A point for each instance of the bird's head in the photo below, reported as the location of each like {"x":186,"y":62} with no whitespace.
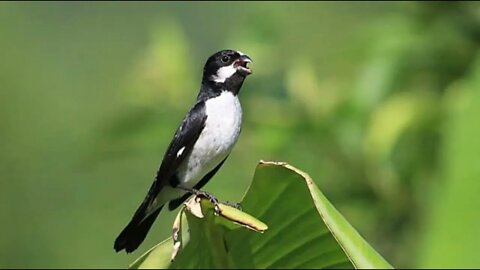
{"x":227,"y":67}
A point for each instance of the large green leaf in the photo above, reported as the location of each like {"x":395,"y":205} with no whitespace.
{"x":304,"y":230}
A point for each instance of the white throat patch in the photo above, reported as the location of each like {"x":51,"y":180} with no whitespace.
{"x":224,"y":73}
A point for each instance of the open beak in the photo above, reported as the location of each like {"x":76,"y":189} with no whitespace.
{"x":241,"y":64}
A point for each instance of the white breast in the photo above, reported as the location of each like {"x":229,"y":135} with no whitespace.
{"x":222,"y":127}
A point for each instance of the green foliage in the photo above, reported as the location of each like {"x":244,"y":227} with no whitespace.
{"x":453,"y":232}
{"x":304,"y":230}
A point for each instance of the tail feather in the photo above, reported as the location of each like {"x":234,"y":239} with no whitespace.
{"x":135,"y":232}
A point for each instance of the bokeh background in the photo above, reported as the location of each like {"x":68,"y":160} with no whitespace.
{"x":378,"y":102}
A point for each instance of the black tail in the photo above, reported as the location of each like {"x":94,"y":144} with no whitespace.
{"x":133,"y":235}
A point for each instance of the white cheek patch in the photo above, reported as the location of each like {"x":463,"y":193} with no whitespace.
{"x":224,"y":73}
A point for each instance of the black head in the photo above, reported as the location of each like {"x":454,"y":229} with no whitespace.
{"x":226,"y":69}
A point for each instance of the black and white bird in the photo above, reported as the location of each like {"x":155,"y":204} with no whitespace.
{"x":200,"y":146}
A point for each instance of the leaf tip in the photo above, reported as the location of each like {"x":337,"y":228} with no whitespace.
{"x":242,"y":218}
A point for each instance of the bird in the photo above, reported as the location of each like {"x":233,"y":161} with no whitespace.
{"x":200,"y":146}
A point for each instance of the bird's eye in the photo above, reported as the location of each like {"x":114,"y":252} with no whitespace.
{"x":225,"y":59}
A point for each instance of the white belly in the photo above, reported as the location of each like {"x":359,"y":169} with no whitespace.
{"x":222,"y":127}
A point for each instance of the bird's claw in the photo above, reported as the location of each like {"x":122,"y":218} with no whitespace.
{"x":211,"y":198}
{"x":235,"y":205}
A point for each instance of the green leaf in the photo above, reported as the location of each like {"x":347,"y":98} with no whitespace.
{"x":304,"y":230}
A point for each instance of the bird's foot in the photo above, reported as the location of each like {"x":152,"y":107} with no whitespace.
{"x":206,"y":195}
{"x":211,"y":198}
{"x":235,"y":205}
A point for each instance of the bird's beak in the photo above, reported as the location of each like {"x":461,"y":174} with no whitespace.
{"x":246,"y":58}
{"x":241,"y":64}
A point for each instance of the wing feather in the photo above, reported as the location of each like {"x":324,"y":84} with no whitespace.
{"x":180,"y":146}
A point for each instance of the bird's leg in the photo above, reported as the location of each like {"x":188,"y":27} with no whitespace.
{"x":235,"y":205}
{"x":205,"y":194}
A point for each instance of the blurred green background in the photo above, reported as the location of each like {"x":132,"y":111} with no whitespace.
{"x":378,"y":102}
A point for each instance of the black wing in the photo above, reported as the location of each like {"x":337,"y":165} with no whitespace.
{"x":181,"y":145}
{"x":185,"y":137}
